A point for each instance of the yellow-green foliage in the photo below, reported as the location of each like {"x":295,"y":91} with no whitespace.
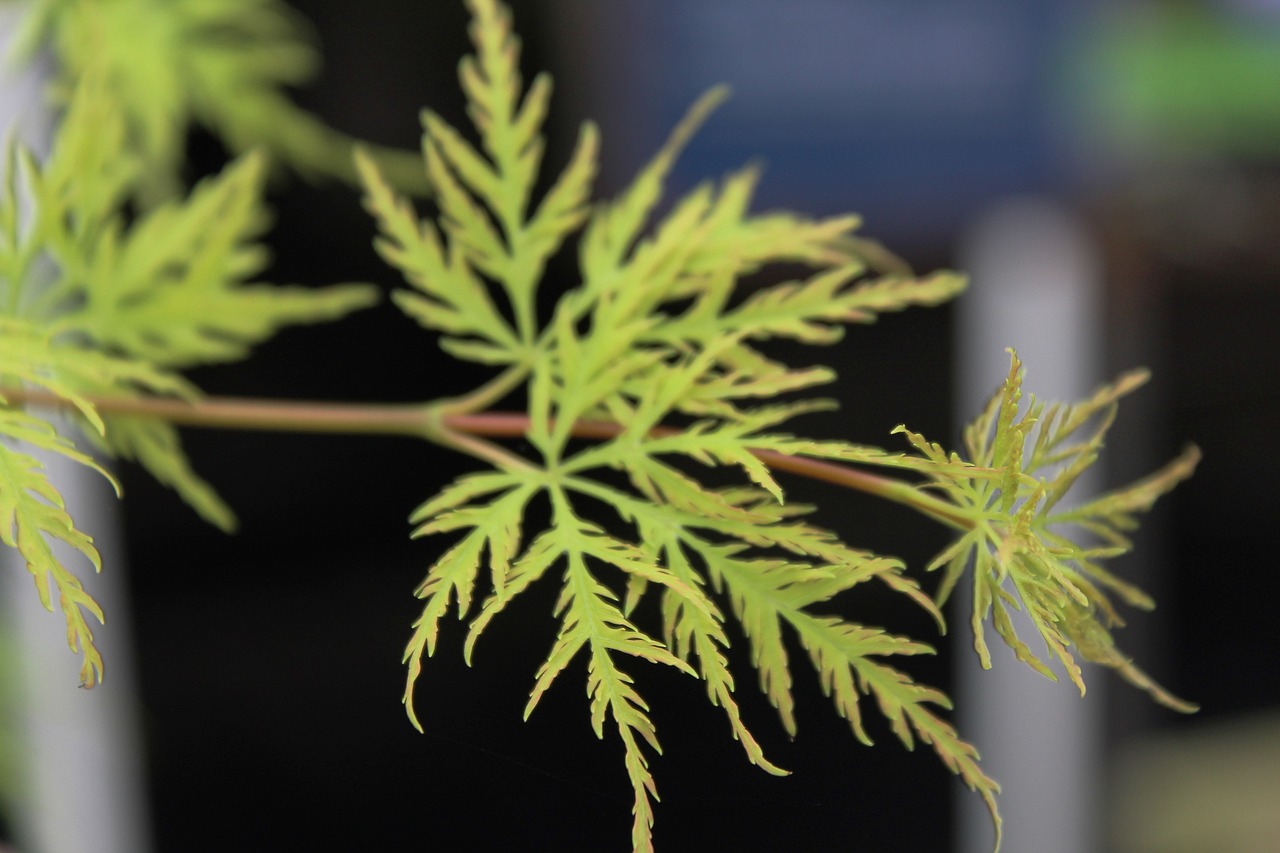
{"x":652,"y":331}
{"x":1014,"y":544}
{"x":95,"y":303}
{"x":659,"y":329}
{"x":221,"y":64}
{"x":658,"y":352}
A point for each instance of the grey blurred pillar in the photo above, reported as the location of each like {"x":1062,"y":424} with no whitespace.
{"x":82,"y":786}
{"x":1036,"y":287}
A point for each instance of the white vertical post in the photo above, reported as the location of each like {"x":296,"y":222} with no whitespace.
{"x":81,"y":784}
{"x":1036,"y":285}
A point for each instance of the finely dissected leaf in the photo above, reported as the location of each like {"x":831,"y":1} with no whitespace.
{"x":173,"y":291}
{"x":690,"y":630}
{"x":156,"y":447}
{"x":588,"y":615}
{"x":32,"y":514}
{"x":756,"y":241}
{"x":661,"y":328}
{"x":495,"y":530}
{"x":225,"y":64}
{"x":28,"y":354}
{"x":656,"y":345}
{"x":1015,"y":545}
{"x":810,"y":311}
{"x":905,"y":705}
{"x":451,"y":298}
{"x":759,"y":616}
{"x":614,"y":229}
{"x":591,"y":620}
{"x":58,"y":208}
{"x":845,"y":655}
{"x":486,"y":226}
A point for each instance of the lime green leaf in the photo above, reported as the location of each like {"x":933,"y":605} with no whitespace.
{"x":172,"y":290}
{"x":751,"y":587}
{"x":495,"y":529}
{"x":451,"y":298}
{"x":756,"y":241}
{"x":1015,"y":544}
{"x":541,"y":555}
{"x":156,"y":447}
{"x":29,"y":353}
{"x":510,"y":131}
{"x":486,"y":228}
{"x":591,"y":620}
{"x":32,"y":514}
{"x":809,"y":311}
{"x":614,"y":229}
{"x":697,"y":631}
{"x":655,"y":346}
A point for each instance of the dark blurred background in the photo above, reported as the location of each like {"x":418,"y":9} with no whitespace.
{"x":269,"y":662}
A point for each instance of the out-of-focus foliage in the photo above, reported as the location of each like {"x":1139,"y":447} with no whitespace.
{"x":1183,"y":80}
{"x":95,"y":302}
{"x":1017,"y":540}
{"x":225,"y":65}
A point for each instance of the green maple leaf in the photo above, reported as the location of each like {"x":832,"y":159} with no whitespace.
{"x":1016,"y":542}
{"x":657,"y":329}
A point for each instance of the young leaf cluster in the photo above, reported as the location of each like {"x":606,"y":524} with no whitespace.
{"x":222,"y":65}
{"x":95,"y":303}
{"x":1016,"y":539}
{"x":661,"y":328}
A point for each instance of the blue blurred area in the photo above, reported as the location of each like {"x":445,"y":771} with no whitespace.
{"x":919,"y":114}
{"x":914,"y":114}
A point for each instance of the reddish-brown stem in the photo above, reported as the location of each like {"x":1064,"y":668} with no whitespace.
{"x":250,"y":414}
{"x":514,"y":425}
{"x":462,"y":431}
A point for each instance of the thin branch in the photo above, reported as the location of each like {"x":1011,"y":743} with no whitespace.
{"x":515,"y":425}
{"x":488,"y":394}
{"x":253,"y":414}
{"x":460,"y":431}
{"x":471,"y":444}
